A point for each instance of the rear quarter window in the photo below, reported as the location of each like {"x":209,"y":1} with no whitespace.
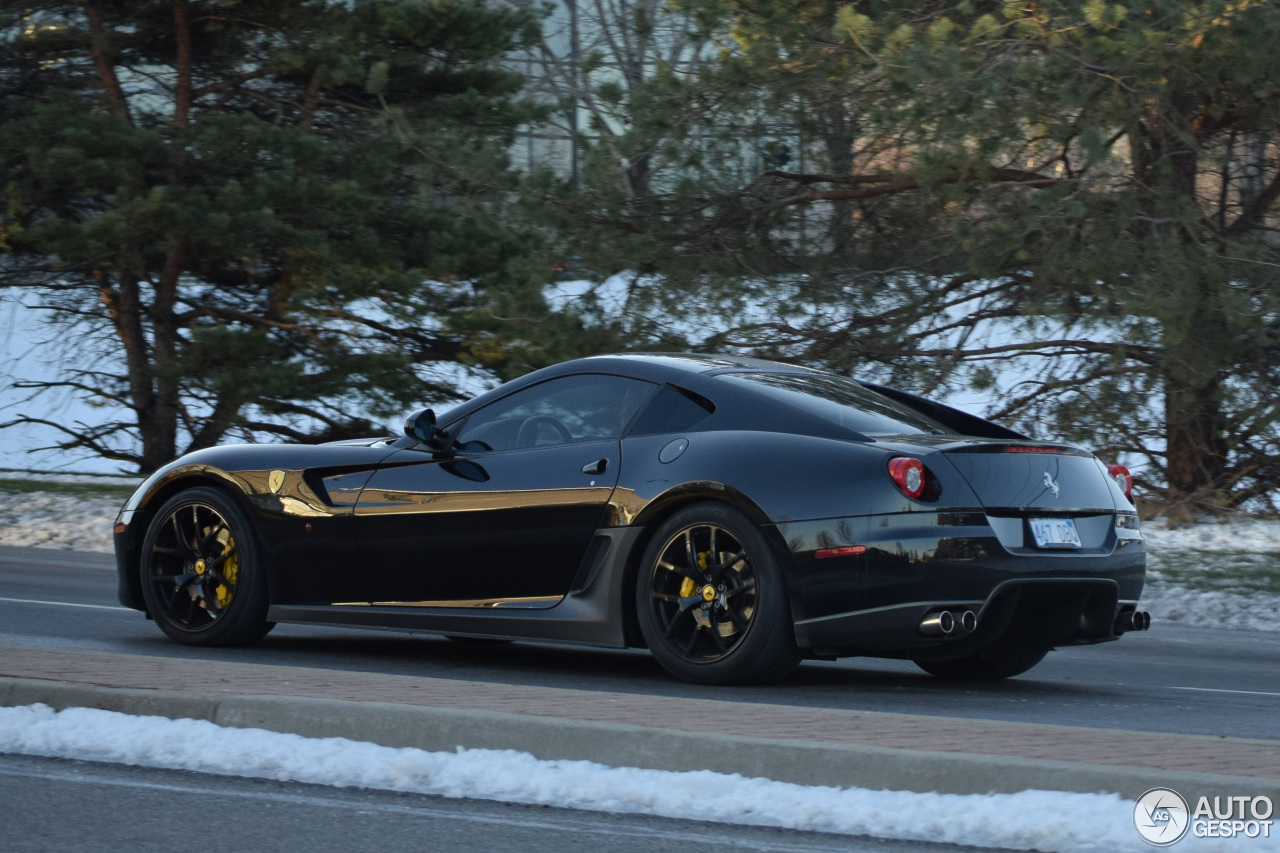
{"x":671,"y":411}
{"x":841,"y":401}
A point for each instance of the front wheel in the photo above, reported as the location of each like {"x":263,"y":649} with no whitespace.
{"x":202,"y":571}
{"x":712,"y":602}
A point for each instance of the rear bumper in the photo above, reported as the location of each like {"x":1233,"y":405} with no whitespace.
{"x":1046,"y":612}
{"x":922,"y":562}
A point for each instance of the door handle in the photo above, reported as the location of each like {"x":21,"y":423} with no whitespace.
{"x":596,"y":467}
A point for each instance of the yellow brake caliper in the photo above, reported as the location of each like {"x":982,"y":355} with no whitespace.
{"x":230,"y":569}
{"x":688,"y":587}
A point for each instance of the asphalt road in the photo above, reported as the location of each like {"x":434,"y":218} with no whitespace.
{"x":55,"y":804}
{"x":1171,"y":679}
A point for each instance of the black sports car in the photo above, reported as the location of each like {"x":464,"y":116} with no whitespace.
{"x":734,"y":516}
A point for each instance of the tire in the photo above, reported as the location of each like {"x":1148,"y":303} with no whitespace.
{"x":715,"y":611}
{"x":1004,"y":658}
{"x":203,"y":577}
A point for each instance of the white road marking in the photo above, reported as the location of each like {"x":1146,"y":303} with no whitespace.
{"x":65,"y":604}
{"x":1218,"y":690}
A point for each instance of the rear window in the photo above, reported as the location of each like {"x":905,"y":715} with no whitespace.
{"x":841,"y":401}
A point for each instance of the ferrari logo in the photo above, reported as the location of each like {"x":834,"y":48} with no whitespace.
{"x":1050,"y":484}
{"x":275,"y":480}
{"x":708,"y":592}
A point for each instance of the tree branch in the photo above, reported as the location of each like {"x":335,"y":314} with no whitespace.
{"x":1258,"y":209}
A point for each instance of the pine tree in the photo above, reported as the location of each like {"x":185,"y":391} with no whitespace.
{"x":262,"y":216}
{"x":1101,"y":177}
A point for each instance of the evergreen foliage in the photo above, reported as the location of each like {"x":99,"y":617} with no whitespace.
{"x":263,"y":217}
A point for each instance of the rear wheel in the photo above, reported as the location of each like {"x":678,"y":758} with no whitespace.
{"x":711,"y":600}
{"x":1002,"y":659}
{"x":202,"y":571}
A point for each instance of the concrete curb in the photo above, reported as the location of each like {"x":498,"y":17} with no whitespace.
{"x":618,"y":745}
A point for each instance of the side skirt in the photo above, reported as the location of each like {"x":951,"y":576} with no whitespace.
{"x":589,"y":616}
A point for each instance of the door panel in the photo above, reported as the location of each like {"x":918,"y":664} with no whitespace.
{"x":483,"y":527}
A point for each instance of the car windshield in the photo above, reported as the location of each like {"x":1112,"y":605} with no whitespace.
{"x":841,"y":401}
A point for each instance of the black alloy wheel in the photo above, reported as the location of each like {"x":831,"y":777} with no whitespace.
{"x":711,"y":600}
{"x":202,"y":576}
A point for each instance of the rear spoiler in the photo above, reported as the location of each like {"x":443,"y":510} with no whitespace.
{"x":962,"y":422}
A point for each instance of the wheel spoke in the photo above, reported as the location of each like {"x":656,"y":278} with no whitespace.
{"x":212,"y":534}
{"x":675,"y":620}
{"x":714,"y":631}
{"x":695,"y":571}
{"x":693,"y":639}
{"x":747,"y":586}
{"x":182,"y":540}
{"x":221,"y":558}
{"x":180,"y":601}
{"x":181,"y":581}
{"x":727,"y":563}
{"x":736,"y":615}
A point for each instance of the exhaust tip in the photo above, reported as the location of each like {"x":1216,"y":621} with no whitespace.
{"x":1133,"y":620}
{"x":938,"y":624}
{"x":968,"y":621}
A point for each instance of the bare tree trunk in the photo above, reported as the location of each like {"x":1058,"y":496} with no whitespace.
{"x":838,"y":130}
{"x":1195,"y":432}
{"x":1165,"y":167}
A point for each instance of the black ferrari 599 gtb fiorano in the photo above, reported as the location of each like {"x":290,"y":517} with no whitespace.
{"x":732,"y":515}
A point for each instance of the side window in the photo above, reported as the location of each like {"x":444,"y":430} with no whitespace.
{"x":568,"y":410}
{"x":671,"y":411}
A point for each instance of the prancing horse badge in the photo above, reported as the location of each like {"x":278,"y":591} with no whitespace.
{"x":1048,"y":481}
{"x":275,"y":480}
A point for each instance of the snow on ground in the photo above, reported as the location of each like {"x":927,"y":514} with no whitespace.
{"x":1214,"y":575}
{"x":1250,"y":535}
{"x":1028,"y":820}
{"x":68,"y":522}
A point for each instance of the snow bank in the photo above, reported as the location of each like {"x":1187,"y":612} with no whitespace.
{"x":1247,"y":535}
{"x":58,"y":520}
{"x":1029,"y":820}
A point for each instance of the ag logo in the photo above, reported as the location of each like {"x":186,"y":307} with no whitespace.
{"x":275,"y":480}
{"x":1050,"y":484}
{"x":1161,"y":817}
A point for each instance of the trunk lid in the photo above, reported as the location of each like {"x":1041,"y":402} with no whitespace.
{"x":1033,"y":476}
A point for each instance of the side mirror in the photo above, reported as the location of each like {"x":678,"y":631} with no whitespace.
{"x":421,"y":426}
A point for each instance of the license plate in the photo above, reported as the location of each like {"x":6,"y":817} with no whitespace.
{"x":1055,"y":532}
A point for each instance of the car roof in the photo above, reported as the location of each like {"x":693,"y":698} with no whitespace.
{"x":688,"y":362}
{"x":674,"y":367}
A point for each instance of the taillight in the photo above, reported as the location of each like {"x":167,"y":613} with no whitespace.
{"x":908,"y":473}
{"x":1123,"y":479}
